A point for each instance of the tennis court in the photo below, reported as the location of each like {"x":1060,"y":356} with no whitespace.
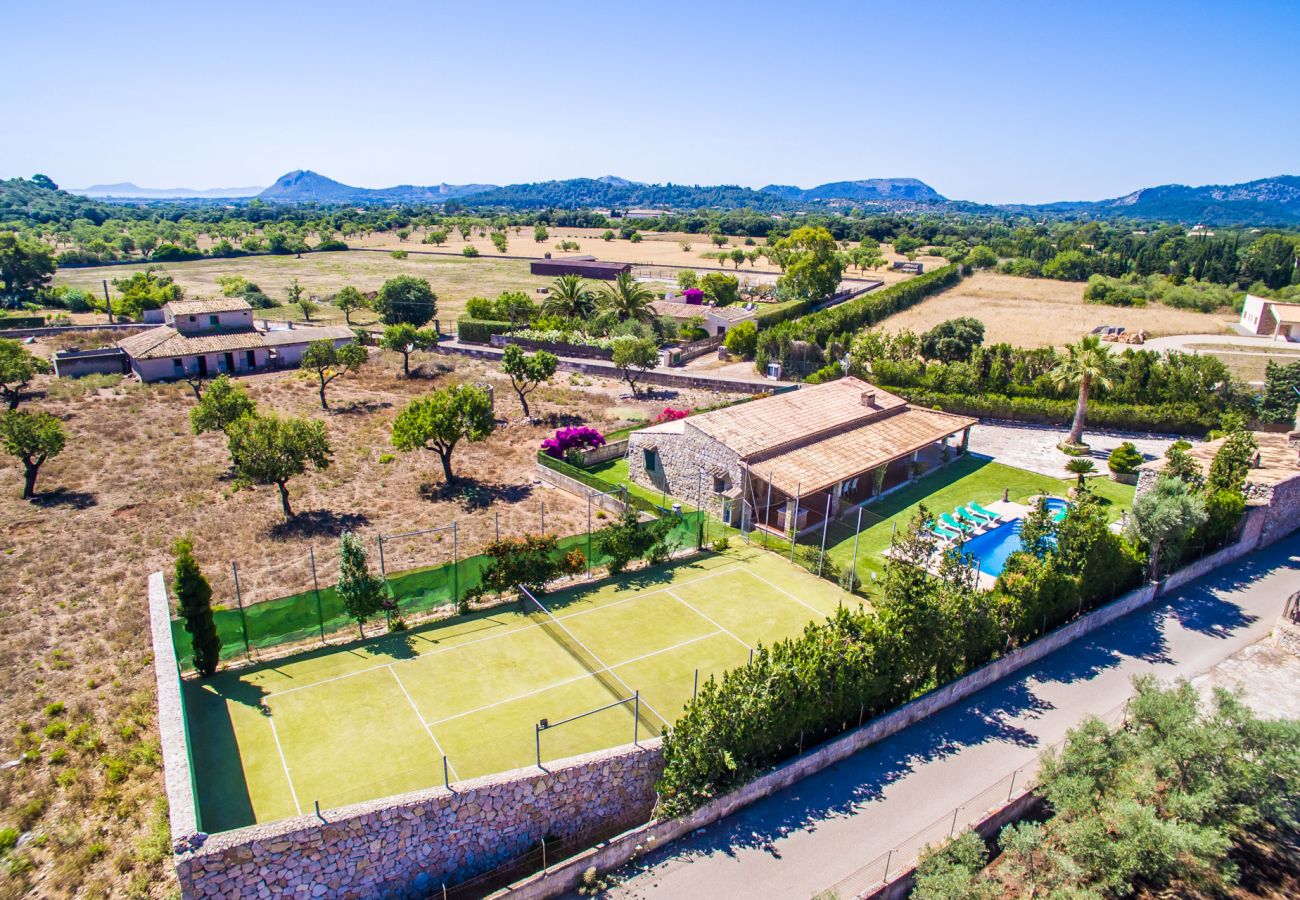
{"x":350,"y":723}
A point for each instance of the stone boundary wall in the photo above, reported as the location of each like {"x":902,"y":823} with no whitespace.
{"x":1283,"y":510}
{"x":406,"y":846}
{"x":500,"y":341}
{"x":618,"y":851}
{"x":597,"y":455}
{"x":608,"y":370}
{"x":576,"y":487}
{"x":178,"y":765}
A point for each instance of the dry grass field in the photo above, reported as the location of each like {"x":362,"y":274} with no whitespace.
{"x":1040,"y":312}
{"x":78,"y":704}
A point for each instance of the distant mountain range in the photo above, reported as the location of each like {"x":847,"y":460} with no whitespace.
{"x":1267,"y":201}
{"x":128,"y":191}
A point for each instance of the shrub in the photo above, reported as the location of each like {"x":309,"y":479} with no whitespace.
{"x":469,"y":250}
{"x":530,"y":562}
{"x":578,"y":437}
{"x":1124,"y":459}
{"x":741,"y":339}
{"x":479,"y":331}
{"x":627,"y":539}
{"x":670,"y":415}
{"x":721,"y":545}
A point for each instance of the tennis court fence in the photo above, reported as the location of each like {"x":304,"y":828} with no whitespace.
{"x":255,"y":615}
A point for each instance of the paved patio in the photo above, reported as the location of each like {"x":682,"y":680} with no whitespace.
{"x":1033,"y":447}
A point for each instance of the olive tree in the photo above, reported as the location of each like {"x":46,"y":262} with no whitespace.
{"x":441,"y":420}
{"x":223,"y":403}
{"x":18,"y":366}
{"x":527,"y":371}
{"x":633,"y":357}
{"x":270,"y":450}
{"x":405,"y":338}
{"x":32,"y":438}
{"x":331,"y":362}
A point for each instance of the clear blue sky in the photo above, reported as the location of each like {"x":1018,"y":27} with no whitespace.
{"x":994,"y":102}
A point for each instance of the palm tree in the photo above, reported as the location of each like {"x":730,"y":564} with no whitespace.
{"x":629,"y":298}
{"x":1086,"y":363}
{"x":570,"y":298}
{"x":1080,"y":467}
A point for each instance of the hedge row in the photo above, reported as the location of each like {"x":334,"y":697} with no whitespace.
{"x":22,"y":322}
{"x":1171,"y":418}
{"x":479,"y":331}
{"x":777,"y":316}
{"x":865,"y":310}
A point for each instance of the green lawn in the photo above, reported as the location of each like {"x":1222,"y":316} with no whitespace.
{"x":969,"y":478}
{"x":363,"y":720}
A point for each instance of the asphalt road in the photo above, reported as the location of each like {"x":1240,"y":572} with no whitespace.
{"x":808,"y":837}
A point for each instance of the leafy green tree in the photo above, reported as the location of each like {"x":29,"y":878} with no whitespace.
{"x":32,"y":438}
{"x":687,"y":278}
{"x":194,"y":599}
{"x":26,"y":267}
{"x":742,"y":339}
{"x":954,"y":340}
{"x":1163,"y":518}
{"x":906,"y":243}
{"x":1231,"y":464}
{"x":737,"y":257}
{"x":270,"y":450}
{"x":1180,"y":464}
{"x":1270,"y":258}
{"x":406,"y":339}
{"x":436,"y":236}
{"x":530,"y":562}
{"x":627,"y":298}
{"x":361,"y":591}
{"x":721,"y":289}
{"x":18,"y":366}
{"x":469,"y":251}
{"x":331,"y":362}
{"x":627,"y":539}
{"x":952,"y":871}
{"x":981,"y":256}
{"x":1281,"y":393}
{"x":349,"y":300}
{"x":633,"y":357}
{"x":527,"y":371}
{"x":540,"y":234}
{"x":499,"y":241}
{"x":1086,"y":363}
{"x":569,"y":297}
{"x":441,"y":420}
{"x":1070,"y":265}
{"x":149,"y":289}
{"x":222,"y":403}
{"x":607,"y":235}
{"x":406,"y":298}
{"x":813,"y":265}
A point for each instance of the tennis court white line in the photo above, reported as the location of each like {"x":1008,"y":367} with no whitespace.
{"x":493,"y":637}
{"x":709,"y":619}
{"x":576,"y":678}
{"x":287,"y":777}
{"x":788,"y":594}
{"x":422,"y":722}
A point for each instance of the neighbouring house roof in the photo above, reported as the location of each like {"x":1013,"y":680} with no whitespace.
{"x":204,"y":307}
{"x":165,"y":342}
{"x":762,"y":426}
{"x":282,"y":337}
{"x":826,"y":462}
{"x":1288,"y":313}
{"x":1277,"y":461}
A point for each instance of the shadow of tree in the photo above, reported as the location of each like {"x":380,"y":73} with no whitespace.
{"x":360,"y":407}
{"x":475,"y":494}
{"x":318,"y":523}
{"x":65,"y":497}
{"x":560,"y":420}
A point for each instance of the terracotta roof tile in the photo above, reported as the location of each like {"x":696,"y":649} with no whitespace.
{"x":201,"y":307}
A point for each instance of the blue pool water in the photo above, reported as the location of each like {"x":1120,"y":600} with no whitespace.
{"x":992,"y":548}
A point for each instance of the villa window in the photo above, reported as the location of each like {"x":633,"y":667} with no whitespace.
{"x":651,"y":459}
{"x":719,"y":483}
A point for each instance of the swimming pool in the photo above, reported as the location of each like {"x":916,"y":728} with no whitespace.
{"x":992,"y":548}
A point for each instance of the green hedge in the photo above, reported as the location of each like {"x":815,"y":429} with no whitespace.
{"x":479,"y":331}
{"x":777,"y":316}
{"x":1174,"y":418}
{"x":22,"y":321}
{"x":854,"y":314}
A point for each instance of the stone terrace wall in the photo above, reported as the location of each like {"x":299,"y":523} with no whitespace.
{"x":406,"y":846}
{"x":1283,"y":510}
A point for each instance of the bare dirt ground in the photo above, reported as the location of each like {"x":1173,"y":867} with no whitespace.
{"x":1040,"y":312}
{"x":76,"y":715}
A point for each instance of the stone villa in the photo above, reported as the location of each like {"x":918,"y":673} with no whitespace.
{"x":795,"y":457}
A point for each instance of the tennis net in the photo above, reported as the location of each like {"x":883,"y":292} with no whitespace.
{"x":617,"y":687}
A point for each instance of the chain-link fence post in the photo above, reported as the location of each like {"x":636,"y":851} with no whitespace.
{"x":243,"y":619}
{"x":315,"y":583}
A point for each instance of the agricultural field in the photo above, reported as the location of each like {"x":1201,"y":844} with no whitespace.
{"x":454,"y":278}
{"x":79,"y":698}
{"x":272,"y":740}
{"x":1041,"y":312}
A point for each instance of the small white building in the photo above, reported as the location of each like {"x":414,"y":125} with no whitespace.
{"x":212,"y":337}
{"x":1271,"y":318}
{"x":717,"y":319}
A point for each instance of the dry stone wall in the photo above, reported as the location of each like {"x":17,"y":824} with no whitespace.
{"x":407,"y":846}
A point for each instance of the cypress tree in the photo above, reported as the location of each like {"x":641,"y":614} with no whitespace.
{"x":362,"y":591}
{"x":194,"y":595}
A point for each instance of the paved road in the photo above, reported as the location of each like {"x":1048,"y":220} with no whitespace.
{"x":1188,"y":342}
{"x":810,"y":836}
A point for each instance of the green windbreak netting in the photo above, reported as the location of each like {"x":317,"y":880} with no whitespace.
{"x":316,"y":613}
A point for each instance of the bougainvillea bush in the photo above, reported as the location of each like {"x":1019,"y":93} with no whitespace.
{"x":579,"y":437}
{"x":671,"y":415}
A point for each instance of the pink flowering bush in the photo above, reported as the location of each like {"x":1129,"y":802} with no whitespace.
{"x":579,"y":437}
{"x":671,"y":415}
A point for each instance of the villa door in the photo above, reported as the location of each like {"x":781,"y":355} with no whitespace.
{"x":251,"y":358}
{"x":203,"y":367}
{"x":230,"y":362}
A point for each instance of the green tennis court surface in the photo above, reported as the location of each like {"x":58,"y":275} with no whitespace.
{"x":345,"y":724}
